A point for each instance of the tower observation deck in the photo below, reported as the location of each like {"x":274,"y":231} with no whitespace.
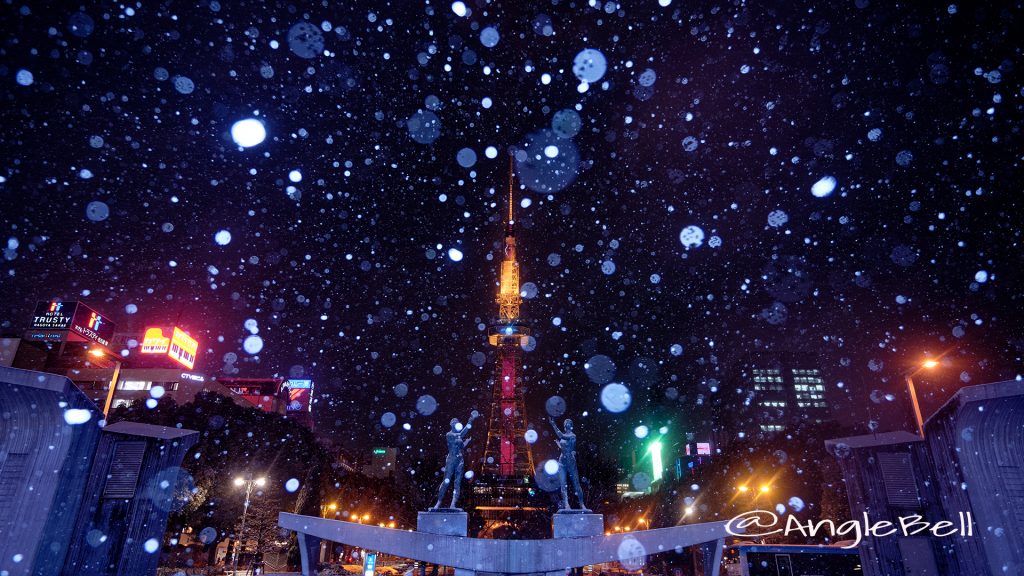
{"x":502,"y":493}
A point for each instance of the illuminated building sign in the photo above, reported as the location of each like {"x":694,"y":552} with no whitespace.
{"x":702,"y":449}
{"x":45,"y":335}
{"x":154,"y":342}
{"x":53,"y":315}
{"x":183,"y":348}
{"x":91,"y":325}
{"x":193,"y":377}
{"x":300,"y":395}
{"x":656,"y":465}
{"x":370,"y":564}
{"x":377,"y":451}
{"x":178,"y":346}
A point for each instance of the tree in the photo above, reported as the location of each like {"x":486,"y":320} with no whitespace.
{"x":234,"y":441}
{"x":261,"y":529}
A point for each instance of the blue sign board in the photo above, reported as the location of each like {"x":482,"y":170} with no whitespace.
{"x":370,"y":564}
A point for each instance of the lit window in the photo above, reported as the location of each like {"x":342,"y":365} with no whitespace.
{"x":134,"y":385}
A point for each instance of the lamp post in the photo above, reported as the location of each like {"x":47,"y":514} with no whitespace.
{"x":99,"y":353}
{"x":326,"y":546}
{"x":909,"y":377}
{"x":248,"y":482}
{"x":754,"y":492}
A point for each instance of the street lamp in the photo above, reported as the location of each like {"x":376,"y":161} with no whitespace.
{"x":100,"y":353}
{"x":909,"y":377}
{"x":248,"y":482}
{"x":753,"y":492}
{"x":326,"y":546}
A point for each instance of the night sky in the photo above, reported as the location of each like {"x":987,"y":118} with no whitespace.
{"x":851,"y":173}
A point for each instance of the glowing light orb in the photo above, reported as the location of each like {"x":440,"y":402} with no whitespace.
{"x":248,"y":133}
{"x":823,"y":187}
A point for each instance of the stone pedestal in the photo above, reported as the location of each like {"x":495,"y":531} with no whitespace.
{"x":572,"y":524}
{"x":575,"y":524}
{"x":444,"y":521}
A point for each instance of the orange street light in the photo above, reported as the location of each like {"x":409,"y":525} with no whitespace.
{"x":99,"y":353}
{"x":927,"y":364}
{"x":765,"y":489}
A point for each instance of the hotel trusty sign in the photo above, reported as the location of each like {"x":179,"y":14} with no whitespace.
{"x":53,"y":315}
{"x":77,"y":321}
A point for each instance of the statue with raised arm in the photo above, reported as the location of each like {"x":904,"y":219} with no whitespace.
{"x":455,"y":463}
{"x":567,"y":472}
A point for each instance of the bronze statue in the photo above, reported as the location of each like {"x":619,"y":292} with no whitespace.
{"x":455,"y":463}
{"x":567,"y":471}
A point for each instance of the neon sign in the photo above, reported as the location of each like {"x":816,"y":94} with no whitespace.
{"x":91,"y":325}
{"x":183,"y":348}
{"x":180,"y":347}
{"x":53,"y":315}
{"x":154,"y":342}
{"x":300,"y":396}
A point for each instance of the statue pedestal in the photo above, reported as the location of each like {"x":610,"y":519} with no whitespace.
{"x":577,"y":524}
{"x":444,"y":521}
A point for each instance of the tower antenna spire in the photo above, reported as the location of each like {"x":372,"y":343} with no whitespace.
{"x":510,"y":176}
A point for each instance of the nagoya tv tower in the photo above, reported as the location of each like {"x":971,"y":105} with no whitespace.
{"x":502,"y":492}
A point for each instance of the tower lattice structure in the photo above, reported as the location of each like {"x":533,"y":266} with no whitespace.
{"x":504,"y":491}
{"x":507,"y":454}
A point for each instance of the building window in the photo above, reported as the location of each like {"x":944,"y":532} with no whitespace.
{"x":134,"y":385}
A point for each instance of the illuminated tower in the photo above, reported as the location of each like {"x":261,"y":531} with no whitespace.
{"x":503,"y":490}
{"x":507,"y":453}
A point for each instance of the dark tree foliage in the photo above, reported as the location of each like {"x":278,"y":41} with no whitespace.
{"x":235,"y":441}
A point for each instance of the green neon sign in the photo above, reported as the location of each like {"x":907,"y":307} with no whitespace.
{"x":656,"y":465}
